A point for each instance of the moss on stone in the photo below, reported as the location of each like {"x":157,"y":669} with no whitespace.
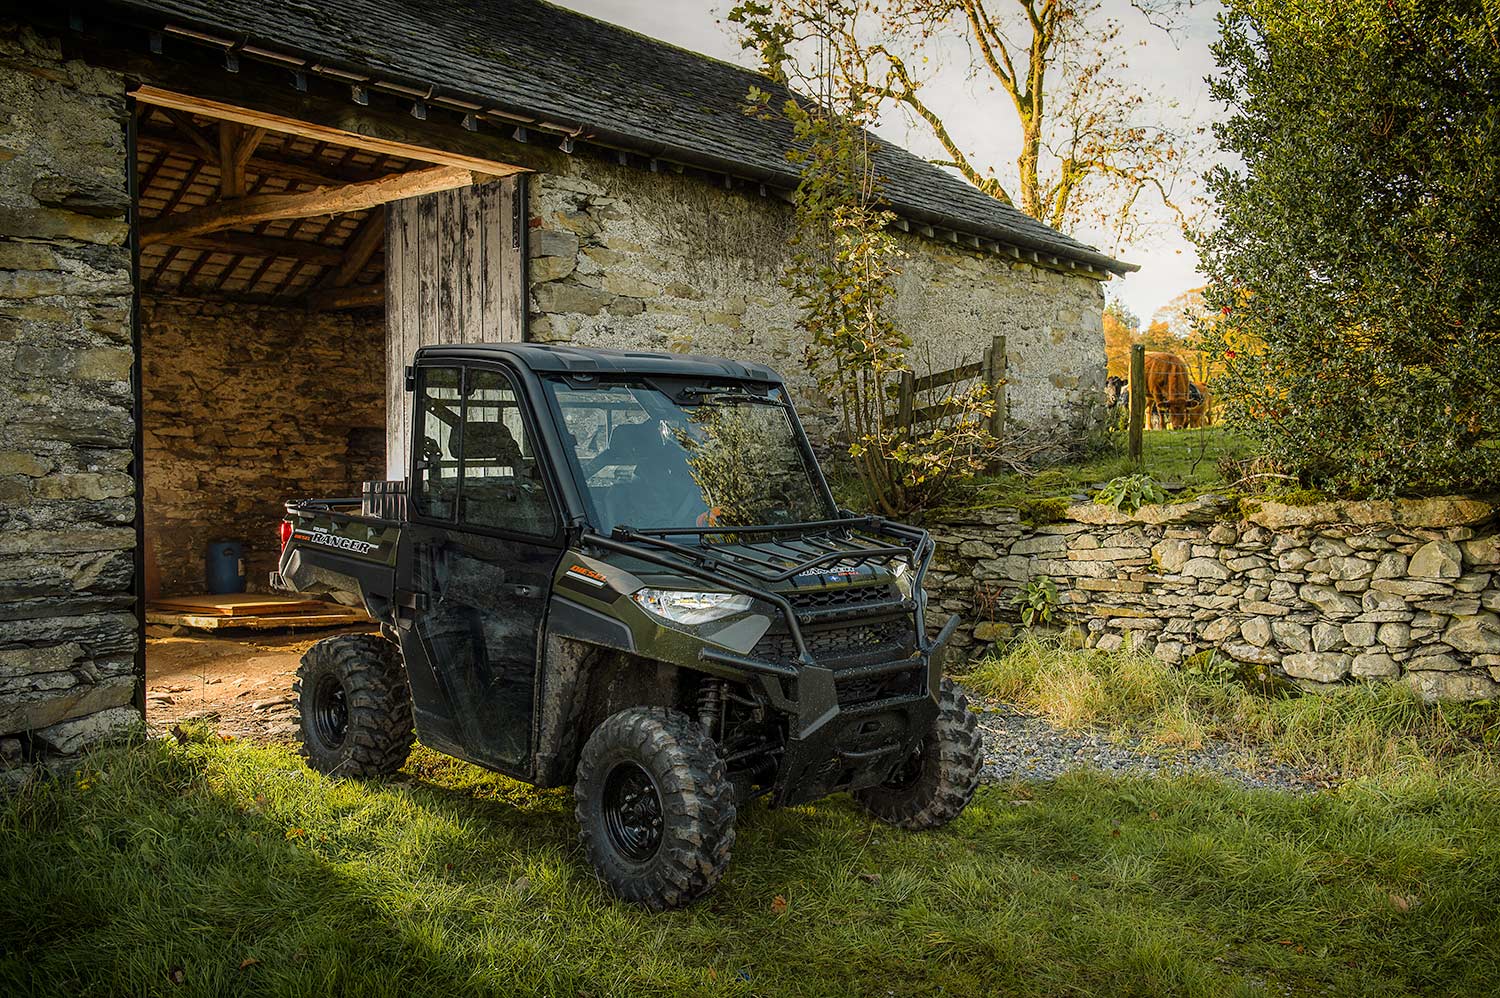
{"x":1300,"y":497}
{"x":1040,"y":512}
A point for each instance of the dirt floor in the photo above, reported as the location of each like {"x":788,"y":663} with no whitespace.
{"x":239,"y":684}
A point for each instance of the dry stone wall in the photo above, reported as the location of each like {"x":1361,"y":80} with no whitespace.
{"x":1322,"y":595}
{"x":629,"y":259}
{"x":243,"y":408}
{"x":67,"y":504}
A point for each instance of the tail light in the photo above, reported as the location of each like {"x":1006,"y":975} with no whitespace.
{"x":284,"y":532}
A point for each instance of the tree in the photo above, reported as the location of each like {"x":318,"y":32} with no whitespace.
{"x":841,"y":275}
{"x":1090,"y":149}
{"x":1120,"y":329}
{"x":1158,"y":337}
{"x":1352,"y":273}
{"x":1188,"y":320}
{"x":1183,"y":313}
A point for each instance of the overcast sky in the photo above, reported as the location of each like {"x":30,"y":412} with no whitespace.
{"x":1169,"y":68}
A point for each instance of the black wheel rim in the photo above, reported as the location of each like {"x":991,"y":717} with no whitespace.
{"x":330,"y":714}
{"x":632,"y":812}
{"x":909,"y":771}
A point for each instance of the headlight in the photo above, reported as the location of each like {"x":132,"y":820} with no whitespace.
{"x":904,"y":576}
{"x":690,"y":608}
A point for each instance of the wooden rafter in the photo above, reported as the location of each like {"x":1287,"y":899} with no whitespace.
{"x":236,"y":145}
{"x":361,"y":247}
{"x":185,"y":124}
{"x":237,"y":244}
{"x":235,"y":260}
{"x":324,"y":201}
{"x":185,"y":103}
{"x":315,"y":174}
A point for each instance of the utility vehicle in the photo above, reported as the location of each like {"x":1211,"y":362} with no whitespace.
{"x":626,"y":572}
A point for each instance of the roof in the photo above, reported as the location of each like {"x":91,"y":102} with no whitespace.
{"x":283,"y":260}
{"x":567,"y":359}
{"x":529,"y":58}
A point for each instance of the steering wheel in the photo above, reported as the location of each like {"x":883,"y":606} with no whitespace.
{"x":432,"y":453}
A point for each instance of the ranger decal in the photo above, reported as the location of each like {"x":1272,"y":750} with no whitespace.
{"x":335,"y":541}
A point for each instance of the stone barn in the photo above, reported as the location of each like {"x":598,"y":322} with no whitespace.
{"x":225,"y":226}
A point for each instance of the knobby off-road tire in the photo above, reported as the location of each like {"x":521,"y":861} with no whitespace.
{"x":353,"y":706}
{"x":655,"y":807}
{"x":935,"y":784}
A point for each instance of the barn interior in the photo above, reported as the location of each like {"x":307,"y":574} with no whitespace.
{"x":262,"y":345}
{"x":263,"y":339}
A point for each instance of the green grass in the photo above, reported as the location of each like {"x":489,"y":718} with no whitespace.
{"x":236,"y":870}
{"x":1186,"y":459}
{"x":1362,"y":730}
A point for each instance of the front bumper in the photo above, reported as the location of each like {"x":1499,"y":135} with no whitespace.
{"x":833,"y":745}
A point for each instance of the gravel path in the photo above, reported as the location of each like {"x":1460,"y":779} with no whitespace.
{"x":1021,"y":746}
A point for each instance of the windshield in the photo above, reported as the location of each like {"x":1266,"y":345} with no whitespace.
{"x":721,"y":458}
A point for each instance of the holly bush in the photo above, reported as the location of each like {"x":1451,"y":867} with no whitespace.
{"x":1354,"y":277}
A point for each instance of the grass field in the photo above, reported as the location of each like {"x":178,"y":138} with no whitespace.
{"x":1187,"y":460}
{"x":229,"y":869}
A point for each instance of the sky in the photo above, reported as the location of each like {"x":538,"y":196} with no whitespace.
{"x":1166,"y":68}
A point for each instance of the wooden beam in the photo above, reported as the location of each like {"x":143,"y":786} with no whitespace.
{"x":236,"y":145}
{"x":355,"y":296}
{"x":322,"y":133}
{"x":324,"y":175}
{"x":185,"y":125}
{"x":236,"y":244}
{"x":231,"y":169}
{"x":248,"y":145}
{"x":360,"y":248}
{"x":324,"y":201}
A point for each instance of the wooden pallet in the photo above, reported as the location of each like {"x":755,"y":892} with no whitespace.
{"x":250,"y":611}
{"x":235,"y":605}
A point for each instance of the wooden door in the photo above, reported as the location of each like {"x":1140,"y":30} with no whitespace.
{"x":455,"y":273}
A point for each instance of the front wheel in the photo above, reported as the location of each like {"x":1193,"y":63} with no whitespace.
{"x":655,"y":807}
{"x":935,"y":784}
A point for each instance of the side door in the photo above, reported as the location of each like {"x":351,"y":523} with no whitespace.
{"x":486,"y":539}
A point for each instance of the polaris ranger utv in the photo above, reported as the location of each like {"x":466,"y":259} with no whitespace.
{"x":625,"y":571}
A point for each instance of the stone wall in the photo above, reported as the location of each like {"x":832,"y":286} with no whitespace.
{"x":67,"y":504}
{"x":1322,"y":595}
{"x":245,"y":407}
{"x":625,"y":258}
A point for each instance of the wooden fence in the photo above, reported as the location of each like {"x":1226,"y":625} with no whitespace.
{"x":913,"y":414}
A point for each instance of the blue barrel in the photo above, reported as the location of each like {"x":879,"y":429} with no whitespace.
{"x":224,"y":567}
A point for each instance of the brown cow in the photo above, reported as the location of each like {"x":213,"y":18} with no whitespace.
{"x":1169,"y":392}
{"x":1200,"y":412}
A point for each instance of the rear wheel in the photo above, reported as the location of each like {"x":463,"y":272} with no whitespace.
{"x":655,"y":807}
{"x":353,"y":707}
{"x":934,"y":784}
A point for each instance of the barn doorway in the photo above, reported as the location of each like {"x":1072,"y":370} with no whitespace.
{"x":275,"y":320}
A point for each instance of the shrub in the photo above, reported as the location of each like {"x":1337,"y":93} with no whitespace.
{"x":1354,"y":292}
{"x":1038,"y":601}
{"x":1129,"y":493}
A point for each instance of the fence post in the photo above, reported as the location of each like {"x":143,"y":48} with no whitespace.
{"x":996,"y":363}
{"x":905,"y":393}
{"x":1137,"y":400}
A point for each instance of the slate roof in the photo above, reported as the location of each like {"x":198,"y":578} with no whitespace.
{"x":560,"y":66}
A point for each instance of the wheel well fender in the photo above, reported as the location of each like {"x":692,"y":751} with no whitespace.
{"x":581,"y":685}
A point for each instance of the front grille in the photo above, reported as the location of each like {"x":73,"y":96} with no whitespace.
{"x":814,"y":600}
{"x":900,"y":684}
{"x":843,"y":644}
